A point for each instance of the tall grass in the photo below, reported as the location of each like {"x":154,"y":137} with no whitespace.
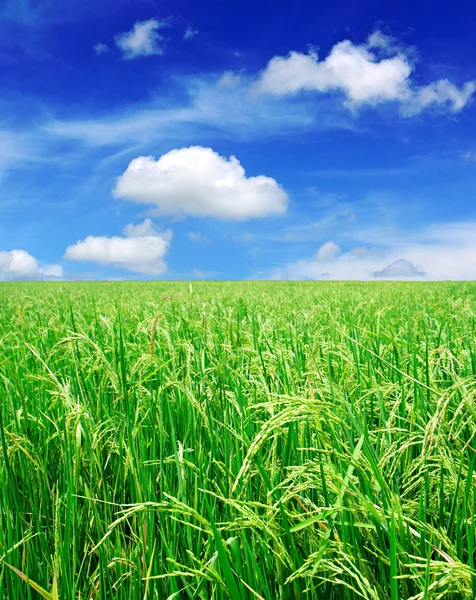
{"x":238,"y":440}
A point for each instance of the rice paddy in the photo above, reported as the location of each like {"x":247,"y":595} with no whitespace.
{"x":237,"y":440}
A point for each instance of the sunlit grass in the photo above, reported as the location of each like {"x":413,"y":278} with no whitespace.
{"x":238,"y":440}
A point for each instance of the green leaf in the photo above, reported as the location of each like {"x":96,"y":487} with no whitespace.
{"x":34,"y":585}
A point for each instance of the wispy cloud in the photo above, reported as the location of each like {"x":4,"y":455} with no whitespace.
{"x":190,"y":33}
{"x":209,"y":108}
{"x":198,"y":237}
{"x":100,"y":48}
{"x":144,"y":39}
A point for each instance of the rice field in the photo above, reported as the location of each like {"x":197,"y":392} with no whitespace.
{"x":237,"y":440}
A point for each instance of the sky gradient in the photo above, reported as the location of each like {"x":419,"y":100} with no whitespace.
{"x":176,"y":140}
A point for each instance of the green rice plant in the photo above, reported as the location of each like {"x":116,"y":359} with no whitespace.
{"x":238,"y":440}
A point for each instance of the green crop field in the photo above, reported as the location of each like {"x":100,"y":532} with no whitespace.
{"x":237,"y":440}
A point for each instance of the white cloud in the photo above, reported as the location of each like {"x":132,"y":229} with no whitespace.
{"x":100,"y":48}
{"x":144,"y":229}
{"x":199,"y":238}
{"x":142,"y":250}
{"x":354,"y":70}
{"x":143,"y":39}
{"x":438,"y":252}
{"x":199,"y":182}
{"x":224,"y":105}
{"x":377,"y":39}
{"x":441,"y":94}
{"x":19,"y":264}
{"x":363,"y":76}
{"x":327,"y":251}
{"x":400,"y":268}
{"x":190,"y":33}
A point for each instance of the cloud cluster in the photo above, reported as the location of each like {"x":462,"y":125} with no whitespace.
{"x":438,"y":252}
{"x":273,"y":103}
{"x":371,"y":73}
{"x":192,"y":181}
{"x":141,"y":250}
{"x":144,"y":39}
{"x":199,"y":182}
{"x":19,"y":264}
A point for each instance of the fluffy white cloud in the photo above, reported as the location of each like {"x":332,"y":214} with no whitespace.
{"x":446,"y":251}
{"x":143,"y":39}
{"x":363,"y":75}
{"x":199,"y":182}
{"x":327,"y":251}
{"x":351,"y":69}
{"x":19,"y":264}
{"x":144,"y":229}
{"x":141,"y":251}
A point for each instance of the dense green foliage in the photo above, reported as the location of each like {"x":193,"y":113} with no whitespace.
{"x":243,"y":440}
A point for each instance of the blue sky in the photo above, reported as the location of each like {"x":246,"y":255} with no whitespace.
{"x":181,"y":140}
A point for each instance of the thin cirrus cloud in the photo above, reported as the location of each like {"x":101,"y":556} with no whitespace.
{"x":366,"y":74}
{"x":144,"y":39}
{"x":141,"y":250}
{"x":198,"y":237}
{"x":198,"y":182}
{"x":19,"y":264}
{"x":211,"y":107}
